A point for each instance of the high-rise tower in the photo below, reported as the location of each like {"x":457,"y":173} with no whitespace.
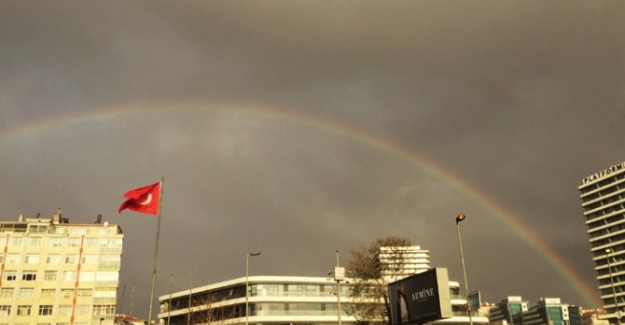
{"x":603,"y":203}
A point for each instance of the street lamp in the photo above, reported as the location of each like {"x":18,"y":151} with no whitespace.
{"x":459,"y":218}
{"x":616,"y":312}
{"x":339,"y":275}
{"x":247,"y":290}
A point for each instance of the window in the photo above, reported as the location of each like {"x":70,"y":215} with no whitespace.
{"x":13,"y":258}
{"x":110,"y":261}
{"x":10,"y":275}
{"x":83,"y":293}
{"x":34,"y":242}
{"x":105,"y":294}
{"x":67,"y":293}
{"x":65,"y":310}
{"x":38,"y":229}
{"x":69,"y":275}
{"x":55,"y":242}
{"x":53,"y":259}
{"x":27,"y":293}
{"x":15,"y":242}
{"x":89,"y":259}
{"x":83,"y":309}
{"x":48,"y":293}
{"x":107,"y":277}
{"x":78,"y":231}
{"x":111,"y":245}
{"x":73,"y":242}
{"x":31,"y":259}
{"x":91,"y":242}
{"x":50,"y":275}
{"x":5,"y":310}
{"x":6,"y":293}
{"x":71,"y":259}
{"x":45,"y":310}
{"x":29,"y":275}
{"x":103,"y":309}
{"x":23,"y":310}
{"x":86,"y":276}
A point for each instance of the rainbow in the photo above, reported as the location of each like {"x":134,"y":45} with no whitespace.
{"x":586,"y":292}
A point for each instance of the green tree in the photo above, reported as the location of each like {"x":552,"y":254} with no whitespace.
{"x":369,"y":290}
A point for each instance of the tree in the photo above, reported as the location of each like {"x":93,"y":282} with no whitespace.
{"x":369,"y":289}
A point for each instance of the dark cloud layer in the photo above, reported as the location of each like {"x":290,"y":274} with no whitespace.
{"x":301,"y":127}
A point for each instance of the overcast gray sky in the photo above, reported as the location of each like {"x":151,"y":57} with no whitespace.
{"x":298,"y":128}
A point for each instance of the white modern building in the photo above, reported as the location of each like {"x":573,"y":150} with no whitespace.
{"x":398,"y":262}
{"x":291,"y":300}
{"x":55,"y":272}
{"x":278,"y":300}
{"x":603,"y":204}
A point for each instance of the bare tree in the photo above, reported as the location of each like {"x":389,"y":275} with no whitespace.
{"x":205,"y":312}
{"x":369,"y":289}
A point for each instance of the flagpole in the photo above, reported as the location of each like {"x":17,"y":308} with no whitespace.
{"x":158,"y":232}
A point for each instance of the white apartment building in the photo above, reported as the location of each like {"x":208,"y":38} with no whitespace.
{"x":58,"y":273}
{"x":398,"y":262}
{"x":603,"y":204}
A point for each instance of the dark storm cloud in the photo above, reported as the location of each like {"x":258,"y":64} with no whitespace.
{"x":519,"y":101}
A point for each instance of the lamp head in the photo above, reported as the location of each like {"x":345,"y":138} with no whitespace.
{"x":608,"y":251}
{"x":253,"y":254}
{"x":460,"y":217}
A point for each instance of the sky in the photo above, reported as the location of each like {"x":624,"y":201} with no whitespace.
{"x":299,"y":128}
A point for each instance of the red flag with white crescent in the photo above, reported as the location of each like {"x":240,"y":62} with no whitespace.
{"x":143,"y":200}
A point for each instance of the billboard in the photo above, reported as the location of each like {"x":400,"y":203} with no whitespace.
{"x":474,"y":300}
{"x":420,"y":298}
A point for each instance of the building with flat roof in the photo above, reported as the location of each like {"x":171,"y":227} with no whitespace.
{"x":275,"y":300}
{"x":56,"y":272}
{"x":398,"y":262}
{"x":550,"y":311}
{"x":603,"y":203}
{"x":508,"y":311}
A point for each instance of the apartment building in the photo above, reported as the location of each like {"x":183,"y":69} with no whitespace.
{"x":54,"y":272}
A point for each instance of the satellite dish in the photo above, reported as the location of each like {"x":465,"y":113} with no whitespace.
{"x":106,"y":223}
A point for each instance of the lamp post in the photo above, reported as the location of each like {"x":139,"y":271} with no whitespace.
{"x":247,"y":290}
{"x":459,"y":218}
{"x":339,"y":275}
{"x":616,"y":312}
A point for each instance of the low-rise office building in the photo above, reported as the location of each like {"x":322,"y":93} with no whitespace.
{"x":276,"y":300}
{"x":508,"y":311}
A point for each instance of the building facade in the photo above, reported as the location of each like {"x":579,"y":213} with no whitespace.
{"x":549,"y":311}
{"x":398,"y":262}
{"x":508,"y":311}
{"x":277,"y":300}
{"x":289,"y":300}
{"x":57,"y":273}
{"x":603,"y":203}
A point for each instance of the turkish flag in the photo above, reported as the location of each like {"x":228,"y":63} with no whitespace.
{"x":143,"y":200}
